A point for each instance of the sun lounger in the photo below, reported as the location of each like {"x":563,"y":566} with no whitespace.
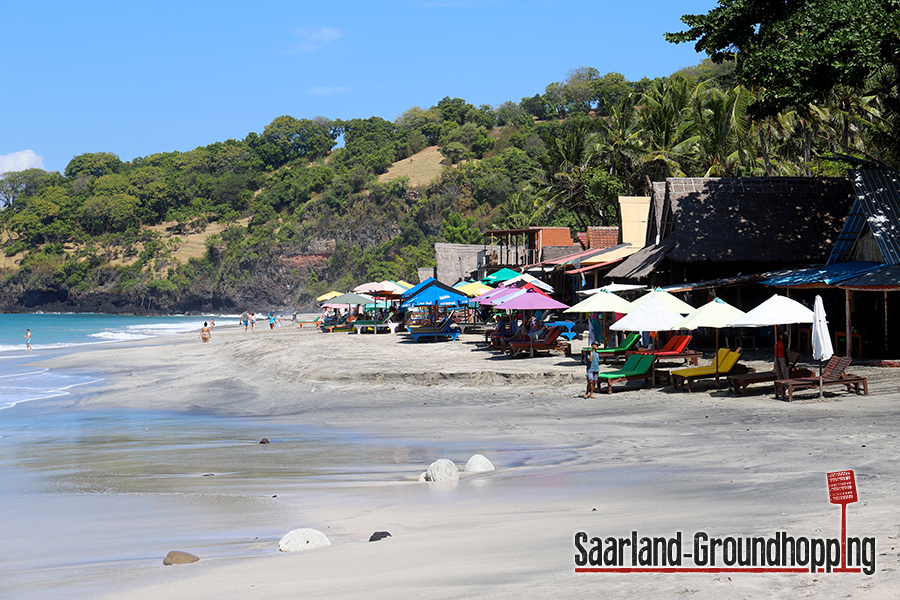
{"x":549,"y":342}
{"x":675,"y":348}
{"x":832,"y":374}
{"x":341,"y":326}
{"x":682,"y":378}
{"x":739,"y":383}
{"x":630,"y":342}
{"x":385,"y":323}
{"x":446,"y":329}
{"x":636,"y":367}
{"x":314,"y":323}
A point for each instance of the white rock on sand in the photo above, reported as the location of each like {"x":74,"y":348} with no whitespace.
{"x":441,"y":470}
{"x":303,"y":539}
{"x":478,"y":464}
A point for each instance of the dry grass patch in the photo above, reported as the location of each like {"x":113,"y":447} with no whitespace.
{"x":190,"y":245}
{"x":422,"y":168}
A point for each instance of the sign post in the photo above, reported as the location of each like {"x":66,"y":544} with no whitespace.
{"x":842,"y":490}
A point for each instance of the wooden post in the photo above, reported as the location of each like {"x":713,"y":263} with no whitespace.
{"x":886,"y":336}
{"x":849,"y":331}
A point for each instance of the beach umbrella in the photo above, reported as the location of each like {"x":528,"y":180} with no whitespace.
{"x":653,"y":314}
{"x":612,"y":287}
{"x":716,"y":314}
{"x":666,"y":298}
{"x":530,"y":300}
{"x":369,"y":288}
{"x":474,"y":288}
{"x":821,"y":340}
{"x":350,"y":298}
{"x":435,"y":296}
{"x":601,"y":302}
{"x":328,"y":296}
{"x":533,"y":280}
{"x":777,"y":310}
{"x":501,"y":275}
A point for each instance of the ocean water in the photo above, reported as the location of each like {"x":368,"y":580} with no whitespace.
{"x":55,"y":333}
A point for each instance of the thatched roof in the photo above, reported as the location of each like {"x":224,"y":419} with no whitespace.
{"x":772,"y":219}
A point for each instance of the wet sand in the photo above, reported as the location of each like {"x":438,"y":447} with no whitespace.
{"x":657,"y":461}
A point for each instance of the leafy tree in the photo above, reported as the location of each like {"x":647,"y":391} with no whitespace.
{"x":94,"y":164}
{"x":458,"y":230}
{"x":286,"y":139}
{"x":798,"y":51}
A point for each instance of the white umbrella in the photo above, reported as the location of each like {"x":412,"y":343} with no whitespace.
{"x":652,"y":315}
{"x":612,"y":287}
{"x":668,"y":299}
{"x":777,"y":310}
{"x":531,"y":279}
{"x":601,"y":302}
{"x":821,"y":340}
{"x":715,"y":314}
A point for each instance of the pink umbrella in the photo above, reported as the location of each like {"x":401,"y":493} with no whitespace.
{"x":531,"y":300}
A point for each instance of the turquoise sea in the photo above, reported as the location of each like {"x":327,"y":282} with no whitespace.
{"x":52,"y":334}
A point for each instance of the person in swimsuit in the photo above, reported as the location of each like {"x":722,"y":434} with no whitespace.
{"x":205,"y":333}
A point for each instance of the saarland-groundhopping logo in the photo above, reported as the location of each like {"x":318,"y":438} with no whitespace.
{"x":780,"y":553}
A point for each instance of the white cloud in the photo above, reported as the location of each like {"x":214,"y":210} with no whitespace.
{"x":19,"y":161}
{"x":313,"y":38}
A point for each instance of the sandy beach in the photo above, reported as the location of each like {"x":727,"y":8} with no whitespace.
{"x":657,"y":461}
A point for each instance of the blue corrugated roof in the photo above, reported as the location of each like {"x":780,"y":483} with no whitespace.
{"x":830,"y":275}
{"x":877,"y":207}
{"x":885,"y":278}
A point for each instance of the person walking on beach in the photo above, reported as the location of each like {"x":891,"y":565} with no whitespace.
{"x":271,"y":320}
{"x":252,"y":321}
{"x":27,"y":337}
{"x":205,"y":333}
{"x":245,"y":320}
{"x":593,"y":369}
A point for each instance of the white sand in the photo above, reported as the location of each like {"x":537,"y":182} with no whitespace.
{"x":657,"y":461}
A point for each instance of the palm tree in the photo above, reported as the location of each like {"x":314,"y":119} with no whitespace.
{"x":721,"y":123}
{"x":620,"y":144}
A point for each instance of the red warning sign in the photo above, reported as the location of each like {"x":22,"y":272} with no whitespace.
{"x":841,"y":487}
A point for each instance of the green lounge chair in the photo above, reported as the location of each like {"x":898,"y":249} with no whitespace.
{"x":630,"y":342}
{"x":637,"y":366}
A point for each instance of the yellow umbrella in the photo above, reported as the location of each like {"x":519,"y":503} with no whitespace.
{"x":328,"y":296}
{"x":475,"y":288}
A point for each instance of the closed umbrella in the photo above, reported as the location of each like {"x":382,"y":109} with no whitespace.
{"x":821,"y":339}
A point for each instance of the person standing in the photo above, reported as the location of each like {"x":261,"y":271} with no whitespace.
{"x":781,"y":368}
{"x":27,"y":337}
{"x":593,"y":369}
{"x":271,"y":320}
{"x":245,"y":320}
{"x":205,"y":333}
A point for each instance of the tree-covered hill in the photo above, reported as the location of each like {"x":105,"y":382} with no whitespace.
{"x":307,"y":205}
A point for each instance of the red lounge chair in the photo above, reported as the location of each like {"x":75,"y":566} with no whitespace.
{"x":548,"y":342}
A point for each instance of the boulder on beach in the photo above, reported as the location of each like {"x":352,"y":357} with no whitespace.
{"x":379,"y":535}
{"x":302,"y":539}
{"x":441,"y":470}
{"x":177,"y":557}
{"x":478,"y":464}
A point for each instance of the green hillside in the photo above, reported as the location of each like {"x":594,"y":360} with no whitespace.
{"x":311,"y":204}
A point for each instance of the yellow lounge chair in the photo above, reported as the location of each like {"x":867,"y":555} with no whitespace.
{"x":682,"y":378}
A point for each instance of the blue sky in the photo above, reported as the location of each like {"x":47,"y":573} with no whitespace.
{"x":140,"y":78}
